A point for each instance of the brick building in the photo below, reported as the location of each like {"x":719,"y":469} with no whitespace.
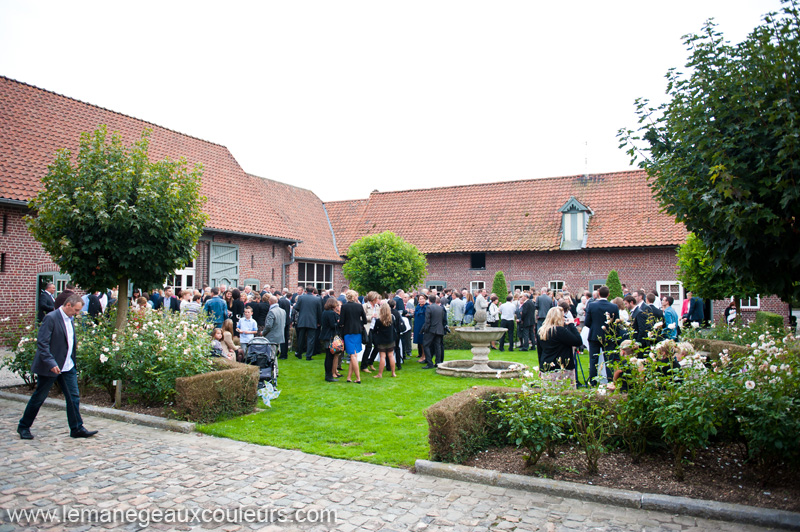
{"x":557,"y":232}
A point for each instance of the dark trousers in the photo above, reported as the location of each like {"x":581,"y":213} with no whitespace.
{"x":306,"y":340}
{"x":537,"y":340}
{"x":68,"y":381}
{"x":370,"y":353}
{"x":526,"y":336}
{"x":328,"y":364}
{"x":421,"y":345}
{"x":406,"y":336}
{"x":434,"y":344}
{"x":508,"y":324}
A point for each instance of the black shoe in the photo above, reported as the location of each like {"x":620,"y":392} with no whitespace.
{"x":510,"y":350}
{"x":523,"y":348}
{"x":283,"y":358}
{"x":331,"y":379}
{"x":428,"y":366}
{"x":309,"y":358}
{"x":501,"y":349}
{"x":24,"y":434}
{"x":299,"y":357}
{"x":82,"y":433}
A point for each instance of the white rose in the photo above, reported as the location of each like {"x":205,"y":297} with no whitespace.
{"x":749,"y":385}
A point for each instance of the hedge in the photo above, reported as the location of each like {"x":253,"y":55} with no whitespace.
{"x":770,"y":319}
{"x":714,"y":348}
{"x":228,"y":392}
{"x":458,"y":425}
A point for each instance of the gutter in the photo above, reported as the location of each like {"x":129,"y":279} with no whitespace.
{"x":17,"y":203}
{"x":291,"y":241}
{"x":287,"y":264}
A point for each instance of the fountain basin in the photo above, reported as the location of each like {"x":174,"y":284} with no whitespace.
{"x":480,"y":366}
{"x":492,"y":369}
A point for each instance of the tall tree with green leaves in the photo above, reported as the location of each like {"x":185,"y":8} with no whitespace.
{"x":115,"y":216}
{"x":704,"y":274}
{"x":723,"y":153}
{"x":499,"y":286}
{"x":614,"y":285}
{"x":384,"y":263}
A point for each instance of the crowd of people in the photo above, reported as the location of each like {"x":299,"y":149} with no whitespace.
{"x":364,"y":330}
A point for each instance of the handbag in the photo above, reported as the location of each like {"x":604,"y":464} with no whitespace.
{"x":337,"y":345}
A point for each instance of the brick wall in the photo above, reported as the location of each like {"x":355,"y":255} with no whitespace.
{"x":638,"y":268}
{"x":24,"y":258}
{"x":768,"y":304}
{"x":260,"y":259}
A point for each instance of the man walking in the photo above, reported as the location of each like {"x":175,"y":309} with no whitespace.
{"x":55,"y":361}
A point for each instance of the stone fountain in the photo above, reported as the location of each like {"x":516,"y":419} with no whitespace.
{"x":481,"y":336}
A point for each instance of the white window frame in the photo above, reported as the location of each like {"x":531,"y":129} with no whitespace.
{"x":677,"y":304}
{"x":189,"y":269}
{"x":552,"y":285}
{"x":320,"y":284}
{"x":474,"y":286}
{"x":742,"y":306}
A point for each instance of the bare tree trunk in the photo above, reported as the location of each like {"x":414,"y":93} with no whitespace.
{"x":122,"y":305}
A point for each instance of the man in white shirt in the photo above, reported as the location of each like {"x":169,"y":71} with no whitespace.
{"x":507,"y":319}
{"x":55,"y":361}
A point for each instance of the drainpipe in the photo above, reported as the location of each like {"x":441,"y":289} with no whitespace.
{"x":285,"y":265}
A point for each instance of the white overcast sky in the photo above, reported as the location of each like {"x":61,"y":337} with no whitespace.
{"x":345,"y":97}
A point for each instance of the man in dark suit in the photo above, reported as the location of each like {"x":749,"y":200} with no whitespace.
{"x":433,"y":333}
{"x":644,"y":325}
{"x":696,"y":311}
{"x":169,"y":301}
{"x":308,"y":317}
{"x":68,"y":291}
{"x":47,"y":301}
{"x":638,"y":296}
{"x":543,"y":305}
{"x":55,"y":361}
{"x":601,"y":317}
{"x":527,"y":319}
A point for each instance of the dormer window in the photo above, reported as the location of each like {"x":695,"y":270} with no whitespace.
{"x":574,"y":219}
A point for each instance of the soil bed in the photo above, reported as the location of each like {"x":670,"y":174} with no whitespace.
{"x":719,"y":473}
{"x":96,"y":397}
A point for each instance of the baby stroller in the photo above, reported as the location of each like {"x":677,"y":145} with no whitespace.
{"x":262,"y":354}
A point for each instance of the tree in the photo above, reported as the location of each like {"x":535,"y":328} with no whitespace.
{"x":499,"y":286}
{"x":723,"y":154}
{"x":614,"y":286}
{"x":698,"y":273}
{"x":384,"y":263}
{"x":115,"y":216}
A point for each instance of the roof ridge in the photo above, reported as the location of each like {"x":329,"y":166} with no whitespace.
{"x":517,"y":181}
{"x":284,"y":183}
{"x":154,"y":125}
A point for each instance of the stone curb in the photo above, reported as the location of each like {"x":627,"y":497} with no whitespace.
{"x":111,"y":413}
{"x":736,"y":513}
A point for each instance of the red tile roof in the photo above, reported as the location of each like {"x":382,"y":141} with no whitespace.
{"x":35,"y":123}
{"x":304,"y":211}
{"x":511,"y":216}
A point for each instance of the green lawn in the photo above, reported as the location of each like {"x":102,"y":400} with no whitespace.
{"x":378,"y":421}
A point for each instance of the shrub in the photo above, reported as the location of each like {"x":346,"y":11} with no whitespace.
{"x":614,"y":285}
{"x":536,"y":420}
{"x":459,"y":425}
{"x":155,"y":348}
{"x":228,"y":392}
{"x":20,"y":336}
{"x":499,"y":286}
{"x":591,"y":420}
{"x":769,"y":319}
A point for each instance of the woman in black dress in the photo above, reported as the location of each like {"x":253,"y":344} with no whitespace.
{"x":352,"y":320}
{"x":557,"y":338}
{"x":384,"y":334}
{"x":329,"y":329}
{"x":236,"y":308}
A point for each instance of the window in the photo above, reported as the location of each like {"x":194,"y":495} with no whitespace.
{"x":2,"y":263}
{"x":438,"y":285}
{"x":183,"y":278}
{"x":474,"y":286}
{"x":595,"y":284}
{"x":252,"y":283}
{"x":574,"y":218}
{"x":477,"y":261}
{"x":317,"y":274}
{"x":520,"y":285}
{"x":750,"y":303}
{"x":556,"y":285}
{"x":673,"y":289}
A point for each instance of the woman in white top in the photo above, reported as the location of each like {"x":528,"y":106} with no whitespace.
{"x":372,"y":303}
